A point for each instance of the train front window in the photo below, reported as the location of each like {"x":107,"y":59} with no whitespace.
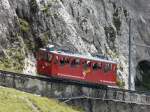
{"x":45,"y":56}
{"x":40,"y":56}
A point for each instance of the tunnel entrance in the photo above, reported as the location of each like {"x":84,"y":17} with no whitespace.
{"x":142,"y":79}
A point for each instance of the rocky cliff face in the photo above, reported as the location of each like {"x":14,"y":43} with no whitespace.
{"x":88,"y":26}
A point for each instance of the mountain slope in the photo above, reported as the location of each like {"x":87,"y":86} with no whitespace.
{"x":14,"y":101}
{"x":87,"y":26}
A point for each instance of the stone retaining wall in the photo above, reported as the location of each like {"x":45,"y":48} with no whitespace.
{"x":75,"y":94}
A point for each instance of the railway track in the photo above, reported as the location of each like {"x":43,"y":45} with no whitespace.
{"x":68,"y":90}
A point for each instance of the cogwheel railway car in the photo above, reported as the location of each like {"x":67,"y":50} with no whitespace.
{"x":62,"y":64}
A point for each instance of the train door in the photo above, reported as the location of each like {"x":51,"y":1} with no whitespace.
{"x":49,"y":63}
{"x":95,"y":74}
{"x":55,"y":65}
{"x":59,"y":64}
{"x":44,"y":63}
{"x":108,"y":75}
{"x":75,"y":68}
{"x":63,"y":65}
{"x":114,"y":72}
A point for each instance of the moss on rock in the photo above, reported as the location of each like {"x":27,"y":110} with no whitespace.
{"x":110,"y":37}
{"x":120,"y":83}
{"x":14,"y":61}
{"x":116,"y":19}
{"x":33,"y":6}
{"x":24,"y":25}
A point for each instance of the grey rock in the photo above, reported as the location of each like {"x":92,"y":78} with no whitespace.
{"x":88,"y":26}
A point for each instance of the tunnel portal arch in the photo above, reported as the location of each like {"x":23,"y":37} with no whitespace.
{"x":142,"y":78}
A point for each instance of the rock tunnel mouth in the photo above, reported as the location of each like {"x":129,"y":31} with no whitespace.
{"x":142,"y":79}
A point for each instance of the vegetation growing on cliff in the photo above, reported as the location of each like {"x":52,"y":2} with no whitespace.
{"x":13,"y":61}
{"x":116,"y":19}
{"x":111,"y":36}
{"x":120,"y":83}
{"x":24,"y":25}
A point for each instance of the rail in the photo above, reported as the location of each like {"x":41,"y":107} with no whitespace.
{"x":66,"y":90}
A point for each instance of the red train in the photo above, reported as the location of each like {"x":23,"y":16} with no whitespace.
{"x":62,"y":64}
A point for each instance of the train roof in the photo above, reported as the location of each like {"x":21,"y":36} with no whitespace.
{"x":78,"y":55}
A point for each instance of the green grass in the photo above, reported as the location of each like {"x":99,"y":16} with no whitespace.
{"x":12,"y":100}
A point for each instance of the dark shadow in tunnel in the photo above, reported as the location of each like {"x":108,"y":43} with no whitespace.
{"x":142,"y":79}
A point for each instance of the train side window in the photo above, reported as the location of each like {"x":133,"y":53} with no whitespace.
{"x":104,"y":68}
{"x":111,"y":67}
{"x":89,"y":63}
{"x":107,"y":67}
{"x":114,"y":68}
{"x":100,"y":65}
{"x":62,"y":61}
{"x":66,"y":60}
{"x":56,"y":60}
{"x":75,"y":62}
{"x":49,"y":57}
{"x":96,"y":66}
{"x":86,"y":67}
{"x":86,"y":64}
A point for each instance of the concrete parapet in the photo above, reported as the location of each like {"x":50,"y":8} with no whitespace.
{"x":65,"y":91}
{"x":119,"y":95}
